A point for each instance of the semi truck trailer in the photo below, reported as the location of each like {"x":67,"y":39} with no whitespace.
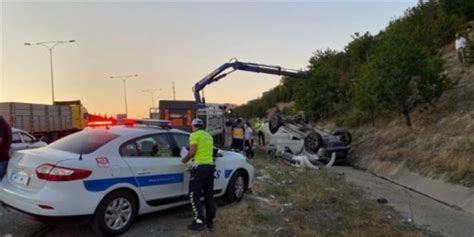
{"x":48,"y":121}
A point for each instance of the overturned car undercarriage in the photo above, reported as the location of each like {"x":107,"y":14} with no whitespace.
{"x":301,"y":145}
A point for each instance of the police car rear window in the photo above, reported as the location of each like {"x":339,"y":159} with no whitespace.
{"x":84,"y":142}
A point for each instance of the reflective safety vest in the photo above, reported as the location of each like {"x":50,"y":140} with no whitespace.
{"x":238,"y":133}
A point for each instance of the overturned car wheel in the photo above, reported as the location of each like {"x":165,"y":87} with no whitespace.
{"x":313,"y":142}
{"x":275,"y":123}
{"x":345,"y":136}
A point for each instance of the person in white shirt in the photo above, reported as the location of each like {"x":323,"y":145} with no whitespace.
{"x":460,"y":45}
{"x":248,"y":143}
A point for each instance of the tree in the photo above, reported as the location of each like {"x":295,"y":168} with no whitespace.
{"x":327,"y":86}
{"x":367,"y":92}
{"x":407,"y":74}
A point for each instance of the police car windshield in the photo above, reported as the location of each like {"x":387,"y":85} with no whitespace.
{"x":86,"y":141}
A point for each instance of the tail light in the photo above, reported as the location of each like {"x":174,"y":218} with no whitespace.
{"x":57,"y":173}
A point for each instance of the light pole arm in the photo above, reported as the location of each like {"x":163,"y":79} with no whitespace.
{"x":50,"y":46}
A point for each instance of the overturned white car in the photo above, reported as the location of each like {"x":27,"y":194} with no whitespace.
{"x":302,"y":145}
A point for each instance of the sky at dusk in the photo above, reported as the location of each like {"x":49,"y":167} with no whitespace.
{"x":168,"y":42}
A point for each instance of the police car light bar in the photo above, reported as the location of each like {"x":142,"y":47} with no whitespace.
{"x":99,"y":123}
{"x":164,"y":124}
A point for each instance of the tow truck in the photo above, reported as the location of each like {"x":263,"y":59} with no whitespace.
{"x":314,"y":147}
{"x":213,"y":114}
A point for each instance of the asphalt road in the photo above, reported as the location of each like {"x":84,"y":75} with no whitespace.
{"x":171,"y":222}
{"x":423,"y":211}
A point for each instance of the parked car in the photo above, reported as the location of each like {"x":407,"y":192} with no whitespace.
{"x":113,"y":174}
{"x":21,"y":140}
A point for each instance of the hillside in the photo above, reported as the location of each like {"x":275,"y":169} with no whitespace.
{"x":441,"y":141}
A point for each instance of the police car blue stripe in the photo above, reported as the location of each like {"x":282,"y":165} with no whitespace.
{"x":143,"y":181}
{"x":160,"y":179}
{"x":227,"y":173}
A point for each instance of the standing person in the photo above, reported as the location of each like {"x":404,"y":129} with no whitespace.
{"x":238,"y":133}
{"x":260,"y":135}
{"x":5,"y":142}
{"x":460,"y":45}
{"x":201,"y":147}
{"x":248,"y":140}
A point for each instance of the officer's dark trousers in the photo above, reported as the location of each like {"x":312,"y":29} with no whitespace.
{"x":202,"y":183}
{"x":261,"y":138}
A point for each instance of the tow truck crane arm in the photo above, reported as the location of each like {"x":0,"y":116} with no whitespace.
{"x":220,"y":73}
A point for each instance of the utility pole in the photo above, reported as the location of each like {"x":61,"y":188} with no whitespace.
{"x":50,"y":46}
{"x":174,"y":92}
{"x":124,"y":78}
{"x":152,"y":92}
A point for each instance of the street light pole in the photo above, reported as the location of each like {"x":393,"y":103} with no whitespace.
{"x":152,"y":92}
{"x":124,"y":78}
{"x":50,"y":46}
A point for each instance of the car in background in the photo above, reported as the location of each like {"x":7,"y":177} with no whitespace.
{"x":112,"y":174}
{"x":21,"y":140}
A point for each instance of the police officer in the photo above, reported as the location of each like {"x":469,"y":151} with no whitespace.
{"x":238,"y":134}
{"x":202,"y":176}
{"x":259,"y":128}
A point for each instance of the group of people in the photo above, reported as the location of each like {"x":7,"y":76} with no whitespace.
{"x":465,"y":47}
{"x":242,"y":136}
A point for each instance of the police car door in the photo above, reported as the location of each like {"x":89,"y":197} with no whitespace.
{"x":158,"y":174}
{"x":182,"y":140}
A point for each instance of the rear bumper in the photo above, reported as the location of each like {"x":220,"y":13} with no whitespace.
{"x":47,"y":219}
{"x":70,"y":202}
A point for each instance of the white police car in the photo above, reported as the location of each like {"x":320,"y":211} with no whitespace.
{"x":112,"y":174}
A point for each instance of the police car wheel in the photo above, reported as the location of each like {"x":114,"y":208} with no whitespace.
{"x":115,"y":213}
{"x":236,"y":188}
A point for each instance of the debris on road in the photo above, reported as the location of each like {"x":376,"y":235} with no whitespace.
{"x":278,"y":229}
{"x":382,"y":200}
{"x":260,"y":199}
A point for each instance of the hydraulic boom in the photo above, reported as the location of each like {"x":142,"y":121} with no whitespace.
{"x":220,"y":73}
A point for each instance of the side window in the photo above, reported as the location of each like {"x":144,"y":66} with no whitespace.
{"x":27,"y":138}
{"x":16,"y":138}
{"x":181,"y":139}
{"x":164,"y":146}
{"x":129,"y":149}
{"x":149,"y":146}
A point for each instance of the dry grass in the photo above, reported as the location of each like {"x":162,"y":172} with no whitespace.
{"x":306,"y":203}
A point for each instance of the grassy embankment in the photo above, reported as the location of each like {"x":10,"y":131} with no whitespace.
{"x":441,"y":142}
{"x":303,"y":202}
